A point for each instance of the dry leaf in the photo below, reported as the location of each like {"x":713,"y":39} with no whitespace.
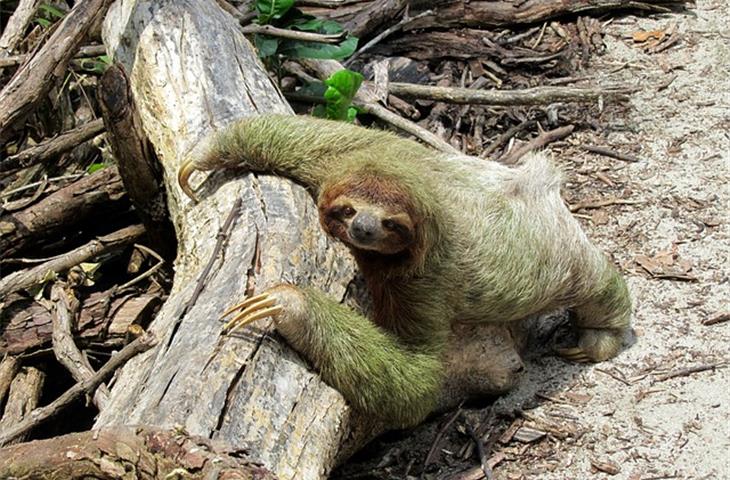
{"x":643,"y":36}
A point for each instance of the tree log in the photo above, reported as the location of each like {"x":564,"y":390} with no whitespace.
{"x":249,"y":389}
{"x":120,"y":453}
{"x":99,"y":195}
{"x":25,"y":392}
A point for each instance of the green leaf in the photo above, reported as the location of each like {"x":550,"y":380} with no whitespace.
{"x":269,"y":10}
{"x":351,"y":114}
{"x":342,"y":87}
{"x":42,"y":22}
{"x":299,"y":49}
{"x":52,"y":11}
{"x":95,"y":167}
{"x":265,"y":45}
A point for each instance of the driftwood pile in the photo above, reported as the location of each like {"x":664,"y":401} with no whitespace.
{"x":111,"y":281}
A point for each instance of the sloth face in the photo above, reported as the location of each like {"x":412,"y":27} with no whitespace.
{"x":363,"y":225}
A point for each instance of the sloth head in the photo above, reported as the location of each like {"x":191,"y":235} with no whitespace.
{"x":369,"y":213}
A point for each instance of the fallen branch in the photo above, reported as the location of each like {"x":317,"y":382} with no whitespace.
{"x":528,"y":96}
{"x":607,"y":152}
{"x":294,"y":34}
{"x":506,"y":137}
{"x":23,"y":397}
{"x":8,"y":368}
{"x":87,"y":51}
{"x":49,"y":148}
{"x":42,"y":414}
{"x":602,"y":203}
{"x":719,"y":318}
{"x":15,"y":28}
{"x":102,"y":245}
{"x":684,"y":372}
{"x":114,"y":452}
{"x":64,"y":347}
{"x":34,"y":80}
{"x":99,"y":195}
{"x":544,"y":138}
{"x":504,"y":13}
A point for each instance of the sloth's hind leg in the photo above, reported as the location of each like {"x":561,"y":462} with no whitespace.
{"x":602,"y":319}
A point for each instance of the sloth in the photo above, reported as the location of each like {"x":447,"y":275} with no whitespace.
{"x":444,"y":242}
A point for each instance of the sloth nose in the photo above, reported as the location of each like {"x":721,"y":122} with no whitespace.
{"x":364,"y":227}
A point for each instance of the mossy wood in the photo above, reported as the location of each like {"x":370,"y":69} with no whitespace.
{"x":192,"y":72}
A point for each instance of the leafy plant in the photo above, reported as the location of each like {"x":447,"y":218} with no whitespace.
{"x":47,"y":15}
{"x":96,"y":64}
{"x":341,"y":89}
{"x":281,"y":14}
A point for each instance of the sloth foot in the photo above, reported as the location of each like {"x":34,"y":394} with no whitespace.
{"x":594,"y":345}
{"x":252,"y":309}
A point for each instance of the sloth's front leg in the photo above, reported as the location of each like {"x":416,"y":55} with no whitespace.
{"x":372,"y":368}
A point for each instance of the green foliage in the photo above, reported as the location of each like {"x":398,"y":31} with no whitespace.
{"x":299,"y":49}
{"x":280,"y":14}
{"x":94,"y":167}
{"x":96,"y":65}
{"x":47,"y":15}
{"x":341,"y":89}
{"x":269,"y":10}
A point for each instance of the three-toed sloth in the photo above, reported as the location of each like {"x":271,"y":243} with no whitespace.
{"x":443,"y":242}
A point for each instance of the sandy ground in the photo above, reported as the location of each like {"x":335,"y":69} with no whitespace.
{"x":624,"y":419}
{"x":631,"y":417}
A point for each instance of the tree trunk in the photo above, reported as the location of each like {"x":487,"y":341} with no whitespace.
{"x":191,"y":72}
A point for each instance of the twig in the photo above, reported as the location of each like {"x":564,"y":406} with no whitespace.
{"x":83,"y":52}
{"x":610,"y":153}
{"x":366,"y":99}
{"x":157,"y":266}
{"x":481,"y":452}
{"x":684,"y":372}
{"x":40,"y":415}
{"x":52,"y":147}
{"x":30,"y":186}
{"x":26,"y":278}
{"x":614,"y":376}
{"x":31,"y":82}
{"x":540,"y":141}
{"x":437,"y":439}
{"x":64,"y":347}
{"x":294,"y":34}
{"x":603,"y":203}
{"x":506,"y":136}
{"x":719,"y":318}
{"x":528,"y":96}
{"x":386,"y":33}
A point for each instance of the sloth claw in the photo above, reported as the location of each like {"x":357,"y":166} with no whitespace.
{"x":573,"y":354}
{"x":252,"y":309}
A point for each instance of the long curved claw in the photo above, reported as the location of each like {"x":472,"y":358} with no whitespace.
{"x":244,"y":304}
{"x":183,"y":179}
{"x":574,"y":354}
{"x":254,"y":308}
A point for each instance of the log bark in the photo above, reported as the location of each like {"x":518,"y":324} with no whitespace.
{"x":191,"y":71}
{"x":135,"y":156}
{"x":99,"y":195}
{"x":25,"y":392}
{"x":120,"y":453}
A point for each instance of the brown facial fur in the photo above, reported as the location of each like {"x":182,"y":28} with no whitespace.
{"x":339,"y":204}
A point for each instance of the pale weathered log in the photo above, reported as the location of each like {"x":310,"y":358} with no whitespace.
{"x":130,"y":452}
{"x":25,"y":392}
{"x":8,"y":368}
{"x":191,"y":71}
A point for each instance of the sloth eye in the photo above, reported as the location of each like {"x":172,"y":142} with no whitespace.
{"x":389,"y":224}
{"x":347,"y":212}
